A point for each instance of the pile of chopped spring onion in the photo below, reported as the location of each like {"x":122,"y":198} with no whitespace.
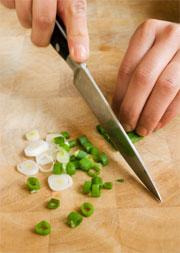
{"x":55,"y":153}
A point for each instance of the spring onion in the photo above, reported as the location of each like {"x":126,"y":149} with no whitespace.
{"x":74,"y":219}
{"x":81,"y":140}
{"x":76,"y":164}
{"x":65,"y":146}
{"x":121,"y":180}
{"x":96,"y":192}
{"x":58,"y":168}
{"x":72,"y":144}
{"x":71,"y":168}
{"x":44,"y":159}
{"x":66,"y":135}
{"x":33,"y":135}
{"x":87,"y":187}
{"x":98,"y":181}
{"x":59,"y":140}
{"x":101,"y":130}
{"x":134,"y":137}
{"x":33,"y":184}
{"x":62,"y":156}
{"x":79,"y":154}
{"x":59,"y":182}
{"x":85,"y":164}
{"x":28,"y":168}
{"x":87,"y":209}
{"x":87,"y":146}
{"x":108,"y":185}
{"x":73,"y":158}
{"x":103,"y":159}
{"x":94,"y":171}
{"x":94,"y":151}
{"x":53,"y":203}
{"x":43,"y":228}
{"x":36,"y":148}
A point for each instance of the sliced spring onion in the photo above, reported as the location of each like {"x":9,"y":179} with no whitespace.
{"x":43,"y":228}
{"x":108,"y":185}
{"x":121,"y":180}
{"x":81,"y":140}
{"x":59,"y":182}
{"x":94,"y":171}
{"x":101,"y":130}
{"x":134,"y":137}
{"x":66,"y":135}
{"x":65,"y":146}
{"x":33,"y":184}
{"x":72,"y":144}
{"x":28,"y":168}
{"x":44,"y":159}
{"x":87,"y":187}
{"x":73,"y":158}
{"x":103,"y":159}
{"x":76,"y":164}
{"x":98,"y":181}
{"x":33,"y":135}
{"x":59,"y":140}
{"x":87,"y":145}
{"x":94,"y":151}
{"x":36,"y":148}
{"x":71,"y":168}
{"x":50,"y":137}
{"x":79,"y":154}
{"x":98,"y":164}
{"x":96,"y":192}
{"x":58,"y":168}
{"x":53,"y":203}
{"x":85,"y":164}
{"x":74,"y":219}
{"x":62,"y":156}
{"x":87,"y":209}
{"x":47,"y":170}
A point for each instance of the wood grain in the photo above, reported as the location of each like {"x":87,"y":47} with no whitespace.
{"x":36,"y":91}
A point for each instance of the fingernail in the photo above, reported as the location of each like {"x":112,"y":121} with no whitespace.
{"x":79,"y":52}
{"x":158,"y":125}
{"x":127,"y":127}
{"x":142,"y":131}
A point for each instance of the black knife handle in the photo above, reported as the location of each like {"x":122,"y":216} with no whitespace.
{"x":59,"y":39}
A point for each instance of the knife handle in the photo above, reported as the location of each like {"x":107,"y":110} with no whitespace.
{"x":59,"y":39}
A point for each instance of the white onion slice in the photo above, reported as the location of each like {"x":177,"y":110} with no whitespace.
{"x":50,"y":137}
{"x":44,"y":159}
{"x":33,"y":135}
{"x":59,"y":182}
{"x":47,"y":170}
{"x":62,"y":156}
{"x":36,"y":148}
{"x":28,"y":168}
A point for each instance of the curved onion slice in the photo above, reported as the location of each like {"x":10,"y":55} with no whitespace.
{"x":44,"y":159}
{"x":47,"y":170}
{"x":36,"y":148}
{"x":62,"y":156}
{"x":59,"y":182}
{"x":33,"y":135}
{"x":28,"y":168}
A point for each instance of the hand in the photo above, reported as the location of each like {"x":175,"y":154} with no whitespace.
{"x":147,"y":94}
{"x":41,"y":15}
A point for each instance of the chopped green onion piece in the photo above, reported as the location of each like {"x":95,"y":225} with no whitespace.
{"x":98,"y":181}
{"x":87,"y":209}
{"x":98,"y":164}
{"x":73,"y":158}
{"x":87,"y":187}
{"x":85,"y":164}
{"x":121,"y":180}
{"x":100,"y":129}
{"x":66,"y":135}
{"x":94,"y":151}
{"x":58,"y":168}
{"x":76,"y":164}
{"x":134,"y":137}
{"x":43,"y":228}
{"x":72,"y":144}
{"x":74,"y":219}
{"x":82,"y":139}
{"x":65,"y":146}
{"x":53,"y":203}
{"x":33,"y":184}
{"x":59,"y":140}
{"x":71,"y":168}
{"x":87,"y":145}
{"x":96,"y":192}
{"x":103,"y":159}
{"x":94,"y":171}
{"x":79,"y":154}
{"x":108,"y":185}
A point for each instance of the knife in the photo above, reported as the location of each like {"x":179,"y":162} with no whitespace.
{"x":91,"y":93}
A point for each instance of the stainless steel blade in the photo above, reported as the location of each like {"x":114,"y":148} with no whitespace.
{"x":89,"y":90}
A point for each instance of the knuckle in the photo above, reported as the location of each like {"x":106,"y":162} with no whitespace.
{"x":168,"y":85}
{"x":147,"y":25}
{"x":44,"y":21}
{"x":142,"y":77}
{"x":127,"y":114}
{"x":125,"y":71}
{"x":173,"y":30}
{"x":78,"y":7}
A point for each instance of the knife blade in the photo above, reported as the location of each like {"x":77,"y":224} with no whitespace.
{"x":91,"y":93}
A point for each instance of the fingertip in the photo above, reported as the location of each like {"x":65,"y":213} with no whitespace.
{"x":79,"y":53}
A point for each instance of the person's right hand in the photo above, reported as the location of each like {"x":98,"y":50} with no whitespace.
{"x":40,"y":15}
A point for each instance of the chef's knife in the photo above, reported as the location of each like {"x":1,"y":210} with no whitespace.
{"x":91,"y":93}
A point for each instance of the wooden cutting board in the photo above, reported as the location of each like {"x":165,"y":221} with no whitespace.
{"x":36,"y":91}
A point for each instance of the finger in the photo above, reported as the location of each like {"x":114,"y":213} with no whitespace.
{"x":24,"y":12}
{"x":145,"y":77}
{"x":74,"y":12}
{"x":140,"y":43}
{"x":164,"y":92}
{"x":172,"y":111}
{"x":44,"y":15}
{"x":9,"y":3}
